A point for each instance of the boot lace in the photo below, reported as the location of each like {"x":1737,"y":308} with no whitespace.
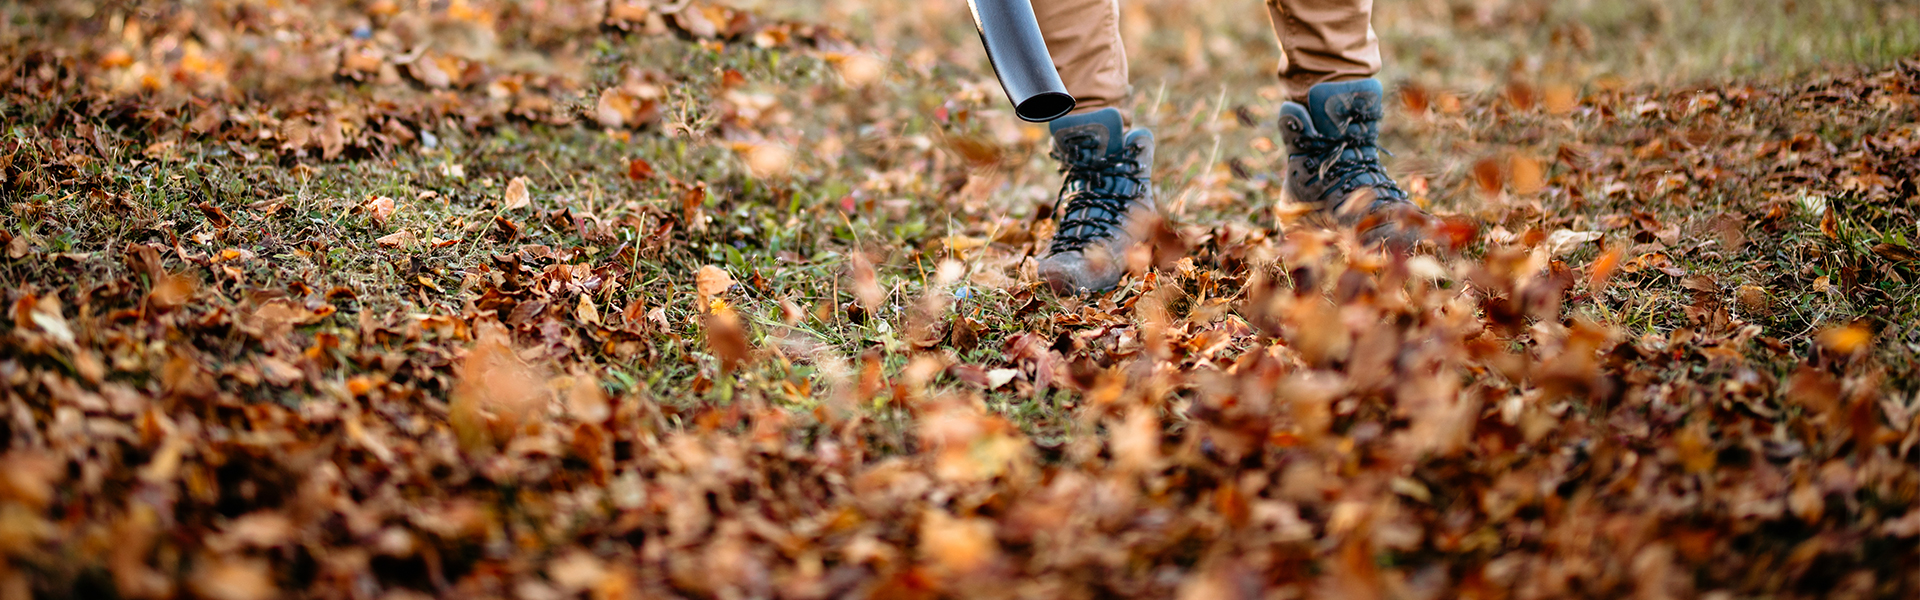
{"x":1096,"y":202}
{"x":1329,"y":160}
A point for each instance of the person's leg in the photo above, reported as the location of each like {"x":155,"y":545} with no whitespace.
{"x":1331,"y":123}
{"x":1084,"y":38}
{"x":1323,"y":41}
{"x":1107,"y":169}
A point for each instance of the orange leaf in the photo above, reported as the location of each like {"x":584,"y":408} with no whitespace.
{"x":1603,"y":268}
{"x":711,"y":281}
{"x":1846,"y":339}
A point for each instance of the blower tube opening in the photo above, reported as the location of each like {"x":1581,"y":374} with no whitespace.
{"x":1019,"y":55}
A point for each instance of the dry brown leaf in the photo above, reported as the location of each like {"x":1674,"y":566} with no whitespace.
{"x":397,"y":239}
{"x":1603,"y":268}
{"x":1560,"y":98}
{"x":856,"y":69}
{"x":764,"y":159}
{"x":516,"y":196}
{"x":1136,"y":442}
{"x":28,"y":478}
{"x":497,"y":392}
{"x":1528,"y":176}
{"x":234,"y":578}
{"x":586,"y":312}
{"x":577,"y":571}
{"x":1753,"y":300}
{"x":727,"y":340}
{"x":586,"y":401}
{"x":955,"y":545}
{"x":1565,"y":241}
{"x":1490,"y":175}
{"x":639,"y":170}
{"x":866,"y":284}
{"x":379,"y":208}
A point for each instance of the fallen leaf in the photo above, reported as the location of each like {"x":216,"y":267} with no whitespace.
{"x":857,"y":69}
{"x":586,"y":401}
{"x":379,"y":208}
{"x":1753,"y":300}
{"x":1560,"y":98}
{"x":1895,"y":253}
{"x":639,"y":169}
{"x":1846,"y":339}
{"x":763,"y":159}
{"x":586,"y":312}
{"x":1906,"y":526}
{"x":1565,"y":241}
{"x":398,"y":239}
{"x":866,"y":283}
{"x":46,"y":316}
{"x":1603,"y":268}
{"x":711,"y":281}
{"x":234,"y":578}
{"x":576,"y":571}
{"x":261,"y":530}
{"x":1528,"y":175}
{"x":1136,"y":442}
{"x":278,"y":372}
{"x":216,"y":217}
{"x":496,"y":393}
{"x":727,"y":339}
{"x":516,"y":196}
{"x":997,"y":378}
{"x":957,"y":545}
{"x":1489,"y":175}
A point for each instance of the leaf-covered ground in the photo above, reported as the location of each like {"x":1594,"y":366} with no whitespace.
{"x":380,"y":299}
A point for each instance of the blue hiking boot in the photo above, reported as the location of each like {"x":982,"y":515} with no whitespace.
{"x":1333,"y":163}
{"x":1108,"y":188}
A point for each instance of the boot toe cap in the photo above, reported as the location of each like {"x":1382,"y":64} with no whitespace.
{"x":1075,"y":273}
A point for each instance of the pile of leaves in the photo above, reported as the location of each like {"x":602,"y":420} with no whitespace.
{"x":349,"y":79}
{"x":571,"y":400}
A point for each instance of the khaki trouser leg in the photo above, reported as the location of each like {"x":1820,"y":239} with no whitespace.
{"x":1084,"y":38}
{"x":1322,"y":41}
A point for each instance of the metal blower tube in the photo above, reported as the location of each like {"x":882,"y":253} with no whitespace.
{"x":1019,"y":55}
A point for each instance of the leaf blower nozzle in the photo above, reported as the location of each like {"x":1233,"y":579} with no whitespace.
{"x":1019,"y":54}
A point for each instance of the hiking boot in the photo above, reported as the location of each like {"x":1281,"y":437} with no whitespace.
{"x":1108,"y":188}
{"x":1333,"y":163}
